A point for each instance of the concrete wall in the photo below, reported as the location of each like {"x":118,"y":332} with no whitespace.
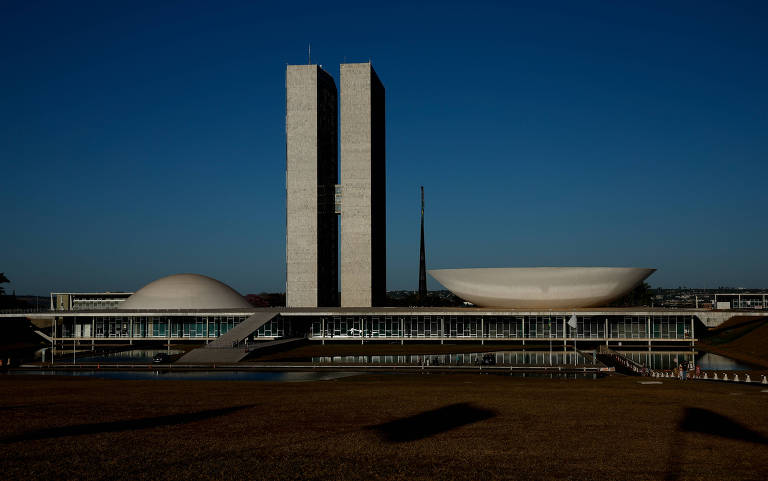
{"x":363,"y":210}
{"x":311,"y":173}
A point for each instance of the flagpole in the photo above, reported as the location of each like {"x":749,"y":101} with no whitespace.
{"x":573,"y":323}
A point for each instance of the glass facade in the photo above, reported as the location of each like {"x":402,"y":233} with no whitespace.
{"x":95,"y":304}
{"x":502,"y":327}
{"x":401,"y":327}
{"x":148,"y":327}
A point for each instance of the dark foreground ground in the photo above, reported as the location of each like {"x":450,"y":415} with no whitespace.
{"x":473,"y":427}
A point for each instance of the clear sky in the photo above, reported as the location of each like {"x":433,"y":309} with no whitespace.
{"x":141,"y":139}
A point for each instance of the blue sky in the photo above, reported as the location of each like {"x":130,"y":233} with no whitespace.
{"x":140,"y":139}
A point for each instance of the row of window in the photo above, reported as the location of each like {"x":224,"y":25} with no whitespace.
{"x":506,"y":357}
{"x":532,"y":327}
{"x":179,"y":327}
{"x":95,"y":304}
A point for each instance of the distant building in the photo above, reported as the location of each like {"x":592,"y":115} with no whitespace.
{"x":87,"y":301}
{"x":741,"y":300}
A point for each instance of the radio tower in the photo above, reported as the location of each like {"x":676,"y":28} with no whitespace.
{"x":422,"y":257}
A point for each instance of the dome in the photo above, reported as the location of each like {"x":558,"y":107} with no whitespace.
{"x":186,"y":291}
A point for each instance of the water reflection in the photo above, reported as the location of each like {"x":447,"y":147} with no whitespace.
{"x":134,"y":355}
{"x":669,"y":360}
{"x":709,"y":361}
{"x":163,"y":375}
{"x":499,"y":358}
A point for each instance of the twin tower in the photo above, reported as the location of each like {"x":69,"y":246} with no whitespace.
{"x":315,"y":196}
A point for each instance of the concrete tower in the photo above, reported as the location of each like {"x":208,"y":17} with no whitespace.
{"x":363,"y":208}
{"x":311,"y":174}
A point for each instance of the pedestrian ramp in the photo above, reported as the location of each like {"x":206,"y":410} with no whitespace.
{"x":228,"y":347}
{"x":44,"y":336}
{"x":619,"y":361}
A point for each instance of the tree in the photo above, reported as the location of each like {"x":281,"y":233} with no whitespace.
{"x":639,"y":296}
{"x":3,"y":280}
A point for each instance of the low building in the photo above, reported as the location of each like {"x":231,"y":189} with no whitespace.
{"x":741,"y":300}
{"x":196,"y":308}
{"x":87,"y":301}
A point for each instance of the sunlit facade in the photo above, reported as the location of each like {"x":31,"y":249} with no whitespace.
{"x":505,"y":328}
{"x":379,"y":326}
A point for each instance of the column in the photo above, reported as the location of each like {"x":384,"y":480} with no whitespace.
{"x":692,"y":336}
{"x":565,"y":335}
{"x":649,"y":333}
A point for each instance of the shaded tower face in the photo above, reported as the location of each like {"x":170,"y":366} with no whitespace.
{"x":363,"y":209}
{"x":311,"y":174}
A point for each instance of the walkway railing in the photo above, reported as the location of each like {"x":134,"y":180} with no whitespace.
{"x":622,"y":363}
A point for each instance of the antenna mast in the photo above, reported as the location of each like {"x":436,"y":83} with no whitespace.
{"x":422,"y":258}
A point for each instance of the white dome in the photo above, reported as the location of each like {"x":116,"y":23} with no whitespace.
{"x":186,"y":291}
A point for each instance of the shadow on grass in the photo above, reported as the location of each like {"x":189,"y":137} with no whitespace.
{"x":705,"y":421}
{"x":20,"y":406}
{"x":429,"y":423}
{"x":118,"y":426}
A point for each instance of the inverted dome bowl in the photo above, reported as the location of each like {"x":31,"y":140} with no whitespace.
{"x":541,"y":287}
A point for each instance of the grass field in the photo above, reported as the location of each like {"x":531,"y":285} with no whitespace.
{"x":744,"y":339}
{"x":458,"y":426}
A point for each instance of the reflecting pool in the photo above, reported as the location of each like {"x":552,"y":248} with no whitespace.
{"x":669,"y":359}
{"x":133,"y":355}
{"x":218,"y":375}
{"x":498,"y":358}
